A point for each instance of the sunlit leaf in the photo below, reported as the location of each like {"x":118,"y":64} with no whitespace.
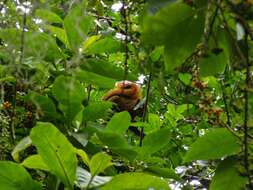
{"x":35,"y":162}
{"x":56,"y":152}
{"x":15,"y":177}
{"x":99,"y":162}
{"x":136,"y":181}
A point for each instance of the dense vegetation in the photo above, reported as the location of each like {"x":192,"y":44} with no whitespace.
{"x":193,"y":59}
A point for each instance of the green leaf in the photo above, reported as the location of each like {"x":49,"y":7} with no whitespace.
{"x":56,"y":151}
{"x":15,"y":177}
{"x":44,"y":105}
{"x":96,"y":110}
{"x":105,"y":45}
{"x":112,"y":140}
{"x":104,"y":68}
{"x":35,"y":162}
{"x":90,"y":41}
{"x":48,"y":16}
{"x":99,"y":162}
{"x":69,"y":93}
{"x":185,"y":78}
{"x":119,"y":123}
{"x":162,"y":172}
{"x":213,"y":64}
{"x":22,"y":145}
{"x":155,"y":141}
{"x":215,"y":144}
{"x":84,"y":156}
{"x":67,"y":90}
{"x":77,"y":25}
{"x":178,"y":27}
{"x":136,"y":181}
{"x":59,"y":33}
{"x":228,"y":177}
{"x":94,"y":79}
{"x":43,"y":46}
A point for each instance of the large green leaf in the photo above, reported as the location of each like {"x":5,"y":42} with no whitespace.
{"x":77,"y":25}
{"x":105,"y":45}
{"x":136,"y":181}
{"x":95,"y":79}
{"x":60,"y":33}
{"x":56,"y":152}
{"x":228,"y":177}
{"x":45,"y":106}
{"x":106,"y":69}
{"x":35,"y":162}
{"x":112,"y":140}
{"x":155,"y":141}
{"x":177,"y":26}
{"x":15,"y":177}
{"x":99,"y":162}
{"x":162,"y":172}
{"x":41,"y":45}
{"x":119,"y":123}
{"x":215,"y":144}
{"x":67,"y":90}
{"x":69,"y":93}
{"x":218,"y":58}
{"x":48,"y":16}
{"x":96,"y":110}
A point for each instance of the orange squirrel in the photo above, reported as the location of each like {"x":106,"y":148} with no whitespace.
{"x":127,"y":96}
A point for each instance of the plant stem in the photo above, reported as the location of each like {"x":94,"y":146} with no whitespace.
{"x":13,"y":113}
{"x":145,"y":108}
{"x":246,"y":112}
{"x":124,"y":14}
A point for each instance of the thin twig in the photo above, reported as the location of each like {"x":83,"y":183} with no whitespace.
{"x":246,"y":112}
{"x":13,"y":113}
{"x":124,"y":14}
{"x":225,"y":104}
{"x":145,"y":107}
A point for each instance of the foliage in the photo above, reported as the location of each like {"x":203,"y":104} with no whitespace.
{"x":193,"y":59}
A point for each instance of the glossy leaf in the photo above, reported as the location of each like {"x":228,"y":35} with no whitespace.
{"x":56,"y":151}
{"x":35,"y":162}
{"x":136,"y":181}
{"x":105,"y":45}
{"x":15,"y":177}
{"x":99,"y":162}
{"x":162,"y":172}
{"x":119,"y":123}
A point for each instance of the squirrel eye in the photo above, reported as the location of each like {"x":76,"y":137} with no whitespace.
{"x":127,"y":86}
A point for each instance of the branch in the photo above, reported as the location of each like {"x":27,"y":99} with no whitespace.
{"x":13,"y":113}
{"x":246,"y":112}
{"x":124,"y":14}
{"x":145,"y":108}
